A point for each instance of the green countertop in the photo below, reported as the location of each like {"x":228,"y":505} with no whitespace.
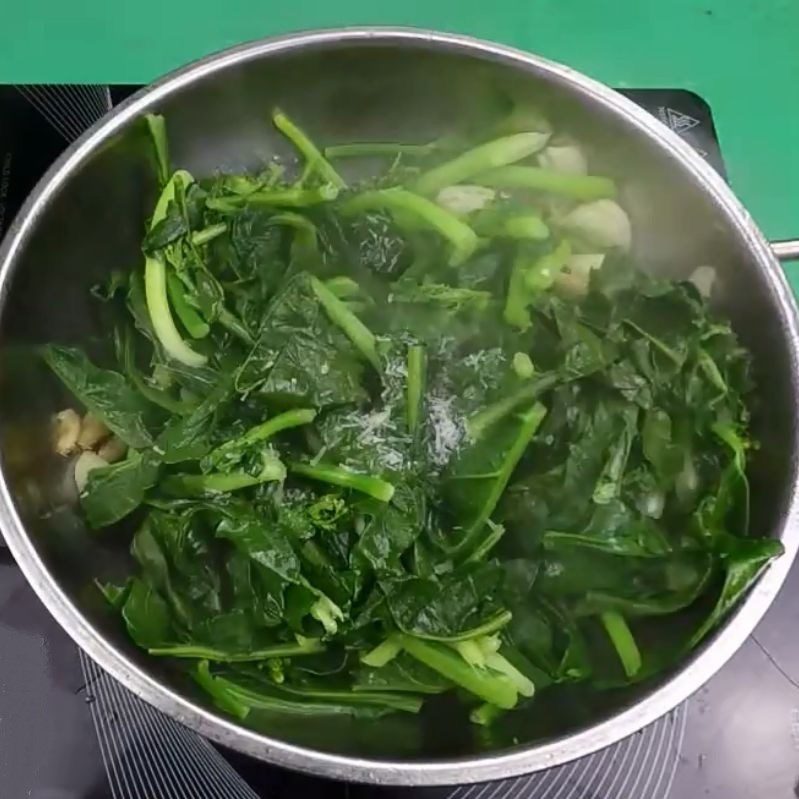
{"x":742,"y":56}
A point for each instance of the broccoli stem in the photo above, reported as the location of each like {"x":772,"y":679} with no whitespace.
{"x":529,"y":278}
{"x":470,"y":651}
{"x":308,"y":149}
{"x":367,"y":149}
{"x":383,"y":653}
{"x":493,"y":222}
{"x":294,"y":197}
{"x":417,"y":366}
{"x":355,"y":330}
{"x":234,"y":326}
{"x":490,"y":540}
{"x":478,"y":423}
{"x":219,"y":691}
{"x":343,"y":287}
{"x":494,"y":688}
{"x":575,"y":187}
{"x":195,"y":485}
{"x":195,"y":325}
{"x":337,"y":475}
{"x":156,"y":291}
{"x":496,"y":153}
{"x":623,"y":641}
{"x":156,"y":294}
{"x":497,"y":662}
{"x":400,"y":201}
{"x":263,"y":432}
{"x":200,"y":237}
{"x":525,"y":226}
{"x":308,"y":646}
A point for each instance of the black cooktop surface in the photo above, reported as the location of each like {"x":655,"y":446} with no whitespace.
{"x":68,"y":731}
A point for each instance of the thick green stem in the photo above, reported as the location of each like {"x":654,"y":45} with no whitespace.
{"x":290,"y":198}
{"x":195,"y":325}
{"x":400,"y":201}
{"x":417,"y":366}
{"x":623,"y":641}
{"x":575,"y":187}
{"x":200,"y":237}
{"x":308,"y":149}
{"x":337,"y":475}
{"x":367,"y":149}
{"x":196,"y":485}
{"x":308,"y":646}
{"x":383,"y":653}
{"x":355,"y":330}
{"x":496,"y":689}
{"x":156,"y":291}
{"x":262,"y":432}
{"x":234,"y":326}
{"x":477,"y":424}
{"x":497,"y":153}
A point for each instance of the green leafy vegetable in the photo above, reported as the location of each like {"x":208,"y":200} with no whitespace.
{"x":359,"y":478}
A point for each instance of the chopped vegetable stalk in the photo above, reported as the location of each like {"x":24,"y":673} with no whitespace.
{"x":340,"y":476}
{"x":623,"y":641}
{"x":470,"y":652}
{"x":525,"y":226}
{"x":480,"y":422}
{"x":155,"y":286}
{"x":383,"y":653}
{"x":272,"y":470}
{"x":357,"y":332}
{"x":497,"y":662}
{"x":262,"y":432}
{"x":396,"y":200}
{"x":224,"y":698}
{"x":497,"y":153}
{"x":288,"y":198}
{"x":195,"y":325}
{"x":207,"y":234}
{"x":529,"y":278}
{"x":560,"y":184}
{"x":234,"y":326}
{"x":370,"y":149}
{"x":416,"y":385}
{"x":307,"y":646}
{"x":316,"y":161}
{"x":491,"y":687}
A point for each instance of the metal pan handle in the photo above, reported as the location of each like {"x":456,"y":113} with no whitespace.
{"x":787,"y":250}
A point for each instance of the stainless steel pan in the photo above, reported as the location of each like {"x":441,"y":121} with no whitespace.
{"x":86,"y":216}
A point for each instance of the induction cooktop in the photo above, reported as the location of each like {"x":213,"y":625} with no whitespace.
{"x":69,"y":731}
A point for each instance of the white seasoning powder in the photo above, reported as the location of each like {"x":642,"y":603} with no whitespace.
{"x":446,"y":428}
